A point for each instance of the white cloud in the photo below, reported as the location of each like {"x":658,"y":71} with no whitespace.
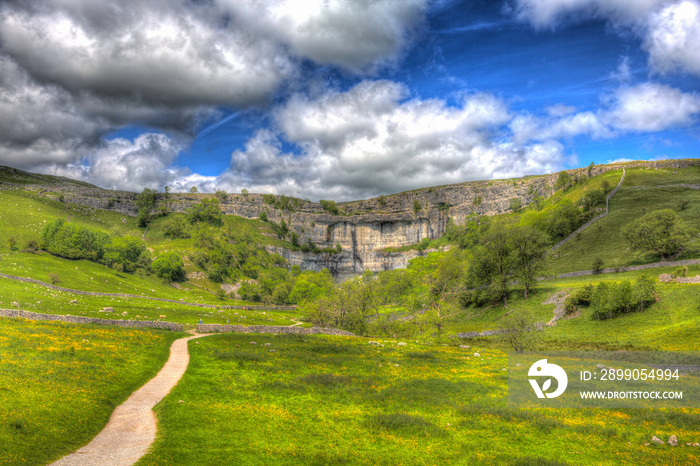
{"x":670,"y":29}
{"x":673,"y":38}
{"x":375,"y":139}
{"x":651,"y":107}
{"x":357,"y":35}
{"x":145,"y":162}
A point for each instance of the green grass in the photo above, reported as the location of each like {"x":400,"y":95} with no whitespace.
{"x":60,"y":383}
{"x":603,"y":238}
{"x":333,"y":400}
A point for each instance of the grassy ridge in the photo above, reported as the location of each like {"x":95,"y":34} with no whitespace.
{"x":331,"y":400}
{"x":60,"y":383}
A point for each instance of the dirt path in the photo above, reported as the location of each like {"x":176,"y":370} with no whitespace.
{"x":132,"y":427}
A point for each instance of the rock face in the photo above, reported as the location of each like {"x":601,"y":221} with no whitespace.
{"x":364,"y":229}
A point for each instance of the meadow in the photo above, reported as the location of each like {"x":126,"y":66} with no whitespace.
{"x":60,"y":383}
{"x":290,"y":399}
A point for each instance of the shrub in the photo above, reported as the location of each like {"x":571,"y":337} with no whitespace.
{"x":263,"y":216}
{"x":244,"y":192}
{"x":12,"y":242}
{"x":54,"y":278}
{"x":382,"y":199}
{"x":516,"y":204}
{"x":681,"y":271}
{"x":416,"y":205}
{"x":221,"y":195}
{"x":329,"y":206}
{"x":176,"y":227}
{"x":169,"y":266}
{"x":207,"y":211}
{"x":597,"y":265}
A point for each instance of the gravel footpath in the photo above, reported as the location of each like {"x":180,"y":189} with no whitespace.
{"x":132,"y":427}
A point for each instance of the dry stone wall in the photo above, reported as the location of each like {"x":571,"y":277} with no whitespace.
{"x":90,"y":320}
{"x":219,"y":328}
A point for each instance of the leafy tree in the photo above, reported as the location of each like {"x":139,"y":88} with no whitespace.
{"x":221,"y":194}
{"x":382,"y":199}
{"x":416,"y":205}
{"x":493,"y":262}
{"x":169,"y":266}
{"x":597,"y":265}
{"x":563,"y":181}
{"x":516,"y":204}
{"x":194,"y":190}
{"x":146,"y":202}
{"x":244,"y":192}
{"x":263,"y":216}
{"x":590,"y":169}
{"x":206,"y":211}
{"x":593,"y":199}
{"x":660,"y":231}
{"x":176,"y":227}
{"x":529,"y":250}
{"x":12,"y":242}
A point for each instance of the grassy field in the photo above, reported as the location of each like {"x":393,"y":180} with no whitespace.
{"x":60,"y":383}
{"x":332,"y":400}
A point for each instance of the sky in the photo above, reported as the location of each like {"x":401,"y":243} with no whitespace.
{"x":343,"y":100}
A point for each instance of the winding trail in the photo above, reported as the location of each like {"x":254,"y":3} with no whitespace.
{"x":132,"y":427}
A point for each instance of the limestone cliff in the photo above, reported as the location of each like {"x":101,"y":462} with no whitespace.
{"x":362,"y":228}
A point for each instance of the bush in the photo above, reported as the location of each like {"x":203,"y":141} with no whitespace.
{"x":516,"y":204}
{"x":593,"y":199}
{"x":12,"y":242}
{"x":221,"y":195}
{"x":609,"y":300}
{"x":54,"y":278}
{"x":416,"y":205}
{"x":176,"y":227}
{"x":206,"y":211}
{"x":263,"y":215}
{"x":597,"y":265}
{"x":169,"y":266}
{"x":329,"y":206}
{"x":681,"y":271}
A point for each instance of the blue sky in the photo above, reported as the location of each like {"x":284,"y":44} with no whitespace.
{"x":343,"y":99}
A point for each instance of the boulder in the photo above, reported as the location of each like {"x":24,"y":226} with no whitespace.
{"x":107,"y":309}
{"x":673,"y":441}
{"x":656,"y":441}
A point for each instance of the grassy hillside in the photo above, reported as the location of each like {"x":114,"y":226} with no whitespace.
{"x":59,"y":383}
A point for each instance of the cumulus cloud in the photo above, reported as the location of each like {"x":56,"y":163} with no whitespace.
{"x":147,"y":161}
{"x":354,"y":34}
{"x":375,"y":139}
{"x":670,"y":29}
{"x":651,"y":107}
{"x":673,"y":37}
{"x":76,"y":70}
{"x":647,"y":107}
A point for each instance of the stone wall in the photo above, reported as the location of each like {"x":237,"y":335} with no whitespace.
{"x":219,"y":328}
{"x":126,"y":295}
{"x":90,"y":320}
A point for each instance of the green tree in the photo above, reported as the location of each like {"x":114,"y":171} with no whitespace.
{"x":660,"y":231}
{"x":206,"y":211}
{"x":563,"y":181}
{"x":516,"y":204}
{"x":146,"y":202}
{"x":176,"y":227}
{"x":194,"y":190}
{"x":416,"y":205}
{"x":244,"y":192}
{"x":169,"y":266}
{"x":529,"y":251}
{"x":493,"y":261}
